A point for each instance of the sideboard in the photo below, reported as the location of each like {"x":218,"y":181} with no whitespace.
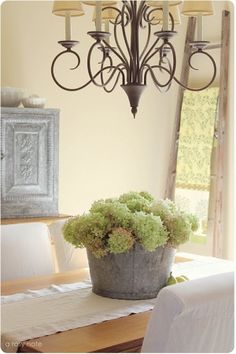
{"x":29,"y":161}
{"x":46,"y":219}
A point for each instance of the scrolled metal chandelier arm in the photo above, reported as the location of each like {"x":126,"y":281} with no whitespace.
{"x":147,"y":41}
{"x":116,"y":80}
{"x":127,"y":63}
{"x":150,"y":53}
{"x":154,"y":78}
{"x":54,"y":76}
{"x":110,"y":67}
{"x":123,"y":27}
{"x":92,"y":77}
{"x":212,"y":78}
{"x":173,"y":77}
{"x":121,"y":55}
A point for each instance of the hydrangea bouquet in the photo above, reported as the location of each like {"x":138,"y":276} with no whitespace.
{"x":113,"y":226}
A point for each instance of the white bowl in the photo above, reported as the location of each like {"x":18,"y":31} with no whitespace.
{"x":11,"y":96}
{"x":34,"y":102}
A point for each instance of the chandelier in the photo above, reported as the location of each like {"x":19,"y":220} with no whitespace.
{"x":130,"y":62}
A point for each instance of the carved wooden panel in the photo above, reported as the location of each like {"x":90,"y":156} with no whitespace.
{"x":29,"y":162}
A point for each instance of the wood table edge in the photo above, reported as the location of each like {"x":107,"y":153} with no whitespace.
{"x":122,"y":328}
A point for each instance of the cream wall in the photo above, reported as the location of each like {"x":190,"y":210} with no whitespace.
{"x":103,"y":150}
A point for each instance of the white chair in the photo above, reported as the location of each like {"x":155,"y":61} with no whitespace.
{"x":67,"y":256}
{"x":25,"y":251}
{"x":193,"y":317}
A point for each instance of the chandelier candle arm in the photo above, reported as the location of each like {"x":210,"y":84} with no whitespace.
{"x":106,"y":25}
{"x":107,"y":30}
{"x":199,"y":28}
{"x":67,"y":26}
{"x":98,"y":19}
{"x":165,"y":15}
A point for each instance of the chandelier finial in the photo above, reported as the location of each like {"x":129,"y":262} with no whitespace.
{"x":134,"y":92}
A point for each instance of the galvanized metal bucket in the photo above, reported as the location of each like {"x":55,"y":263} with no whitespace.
{"x":137,"y":274}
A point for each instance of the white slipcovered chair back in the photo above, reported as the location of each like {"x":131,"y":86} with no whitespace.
{"x":25,"y":251}
{"x":67,"y":256}
{"x":193,"y":317}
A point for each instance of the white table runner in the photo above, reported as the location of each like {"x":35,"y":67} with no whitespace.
{"x":59,"y":308}
{"x":62,"y":307}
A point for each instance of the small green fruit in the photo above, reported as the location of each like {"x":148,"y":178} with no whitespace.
{"x":171,"y":280}
{"x":181,"y":278}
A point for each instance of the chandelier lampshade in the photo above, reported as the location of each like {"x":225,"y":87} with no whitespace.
{"x":195,"y":8}
{"x":67,"y":9}
{"x":159,"y":4}
{"x":198,"y":8}
{"x":107,"y":14}
{"x":98,"y":11}
{"x":141,"y":33}
{"x":174,"y":11}
{"x":61,"y":8}
{"x":103,"y":3}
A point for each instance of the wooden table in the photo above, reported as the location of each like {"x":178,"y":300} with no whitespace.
{"x":120,"y":335}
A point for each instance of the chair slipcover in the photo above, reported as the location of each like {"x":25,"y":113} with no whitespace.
{"x":25,"y":251}
{"x":193,"y":317}
{"x":68,"y":257}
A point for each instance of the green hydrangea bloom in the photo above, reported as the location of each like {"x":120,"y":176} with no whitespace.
{"x":88,"y":230}
{"x":179,"y":229}
{"x":178,"y":224}
{"x":164,"y":208}
{"x":99,"y":250}
{"x":114,"y":225}
{"x":115,"y":213}
{"x":147,"y":196}
{"x":149,"y":230}
{"x":120,"y":240}
{"x":161,"y":208}
{"x":70,"y":232}
{"x":135,"y":201}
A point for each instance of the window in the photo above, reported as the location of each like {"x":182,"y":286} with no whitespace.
{"x":196,"y":140}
